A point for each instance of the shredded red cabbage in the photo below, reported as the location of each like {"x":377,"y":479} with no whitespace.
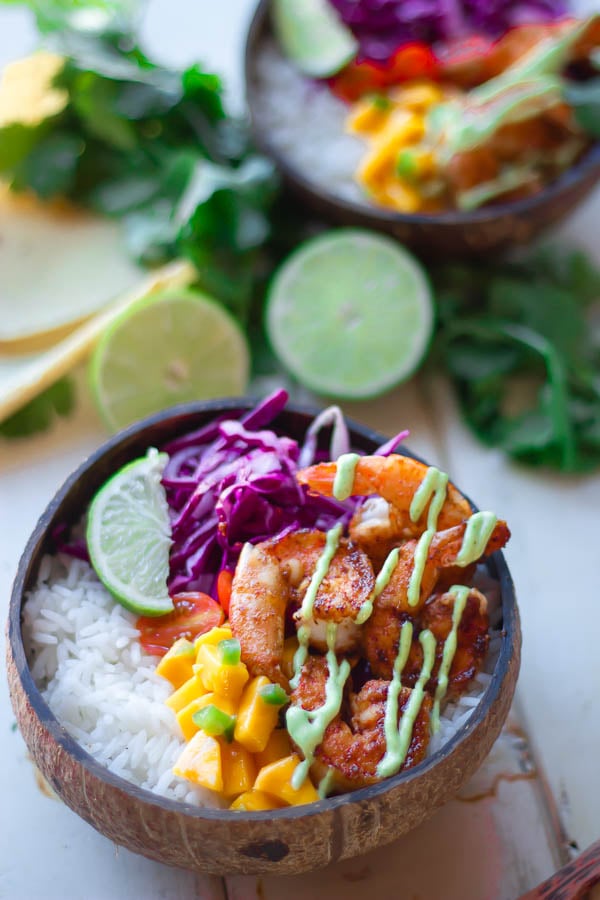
{"x":382,"y":26}
{"x":233,"y":481}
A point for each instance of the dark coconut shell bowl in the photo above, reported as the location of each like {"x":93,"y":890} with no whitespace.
{"x":453,"y":234}
{"x":289,"y":840}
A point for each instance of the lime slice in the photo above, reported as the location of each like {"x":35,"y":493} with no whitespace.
{"x":313,"y":37}
{"x":170,"y":348}
{"x":129,"y":536}
{"x":350,"y":314}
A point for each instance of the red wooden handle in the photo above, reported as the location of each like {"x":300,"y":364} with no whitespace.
{"x":572,"y":881}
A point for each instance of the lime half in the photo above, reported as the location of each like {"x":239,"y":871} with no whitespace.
{"x":129,"y":536}
{"x":165,"y":349}
{"x":350,"y":314}
{"x":313,"y":37}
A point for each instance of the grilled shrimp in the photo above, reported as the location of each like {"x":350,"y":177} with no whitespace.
{"x":441,"y":559}
{"x":274,"y":575}
{"x":354,"y":743}
{"x":383,"y":633}
{"x":378,"y":526}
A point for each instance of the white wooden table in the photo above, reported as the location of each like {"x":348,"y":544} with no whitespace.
{"x":45,"y":850}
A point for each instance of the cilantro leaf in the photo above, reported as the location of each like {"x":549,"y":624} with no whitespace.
{"x":40,"y":413}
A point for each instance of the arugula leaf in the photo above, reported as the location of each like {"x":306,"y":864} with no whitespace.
{"x":39,"y":413}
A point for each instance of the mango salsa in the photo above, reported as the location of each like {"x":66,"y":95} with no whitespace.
{"x":278,"y":746}
{"x":227,"y":681}
{"x":256,"y":719}
{"x":176,"y":664}
{"x":184,"y":716}
{"x":276,"y":779}
{"x":190,"y":690}
{"x":200,"y":762}
{"x":255,"y":801}
{"x":239,"y":769}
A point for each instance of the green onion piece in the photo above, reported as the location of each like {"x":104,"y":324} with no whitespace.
{"x":230,"y":651}
{"x":406,"y":166}
{"x":273,"y":694}
{"x":215,"y":722}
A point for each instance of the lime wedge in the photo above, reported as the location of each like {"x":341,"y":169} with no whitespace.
{"x":312,"y":36}
{"x":129,"y":536}
{"x":170,"y":348}
{"x":350,"y":314}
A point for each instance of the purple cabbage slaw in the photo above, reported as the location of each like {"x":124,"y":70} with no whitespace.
{"x":234,"y":481}
{"x":382,"y":26}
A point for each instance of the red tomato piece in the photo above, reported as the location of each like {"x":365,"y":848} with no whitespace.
{"x":195,"y":613}
{"x":224,"y":582}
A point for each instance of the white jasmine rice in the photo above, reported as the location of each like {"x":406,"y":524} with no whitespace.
{"x":86,"y":658}
{"x":305,"y":123}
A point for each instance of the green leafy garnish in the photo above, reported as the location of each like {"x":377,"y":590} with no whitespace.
{"x":525,"y":360}
{"x":154,"y":148}
{"x":39,"y":413}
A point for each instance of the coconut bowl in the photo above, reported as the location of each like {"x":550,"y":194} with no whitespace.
{"x":452,"y":234}
{"x":219,"y":841}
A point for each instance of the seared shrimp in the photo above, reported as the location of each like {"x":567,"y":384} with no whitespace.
{"x":273,"y":575}
{"x":354,"y":743}
{"x":383,"y":633}
{"x":441,"y":555}
{"x":395,"y":479}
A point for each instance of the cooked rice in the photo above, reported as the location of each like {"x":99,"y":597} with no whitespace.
{"x":85,"y":657}
{"x":305,"y":123}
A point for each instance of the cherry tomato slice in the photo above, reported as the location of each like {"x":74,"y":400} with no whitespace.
{"x":224,"y":582}
{"x":195,"y":613}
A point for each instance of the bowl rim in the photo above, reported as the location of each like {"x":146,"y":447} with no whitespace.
{"x":496,"y":563}
{"x":575,"y":173}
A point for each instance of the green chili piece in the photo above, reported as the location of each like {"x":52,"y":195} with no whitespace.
{"x":215,"y":722}
{"x":273,"y":694}
{"x":230,"y":651}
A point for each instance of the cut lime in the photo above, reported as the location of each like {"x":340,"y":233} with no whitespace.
{"x":170,"y":348}
{"x":313,"y":37}
{"x":350,"y":314}
{"x":129,"y":536}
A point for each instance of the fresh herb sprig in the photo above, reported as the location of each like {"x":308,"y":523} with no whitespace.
{"x":154,"y":148}
{"x":518,"y":341}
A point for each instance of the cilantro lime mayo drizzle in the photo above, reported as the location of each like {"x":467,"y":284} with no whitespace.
{"x":398,"y":739}
{"x":461,"y":594}
{"x":381,"y":582}
{"x":477,"y":534}
{"x":326,"y":783}
{"x":432,"y":490}
{"x":307,"y":727}
{"x":345,"y":471}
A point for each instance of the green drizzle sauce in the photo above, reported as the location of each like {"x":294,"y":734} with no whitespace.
{"x":381,"y":582}
{"x":461,"y":594}
{"x":331,"y":544}
{"x":398,"y":739}
{"x":433,"y":487}
{"x":326,"y":783}
{"x":344,"y":475}
{"x":307,"y":727}
{"x":477,"y":533}
{"x":420,"y":558}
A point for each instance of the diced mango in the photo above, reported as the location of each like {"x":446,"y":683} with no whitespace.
{"x":176,"y":664}
{"x":239,"y":769}
{"x":200,"y":762}
{"x":184,"y":716}
{"x":289,"y":651}
{"x":228,"y":681}
{"x":368,"y":117}
{"x":255,"y":719}
{"x":276,"y":779}
{"x":278,"y":746}
{"x":220,"y":633}
{"x":253,"y":801}
{"x":189,"y":690}
{"x":418,"y":96}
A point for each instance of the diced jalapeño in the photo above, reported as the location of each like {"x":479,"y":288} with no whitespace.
{"x":273,"y":694}
{"x":230,"y":651}
{"x":215,"y":722}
